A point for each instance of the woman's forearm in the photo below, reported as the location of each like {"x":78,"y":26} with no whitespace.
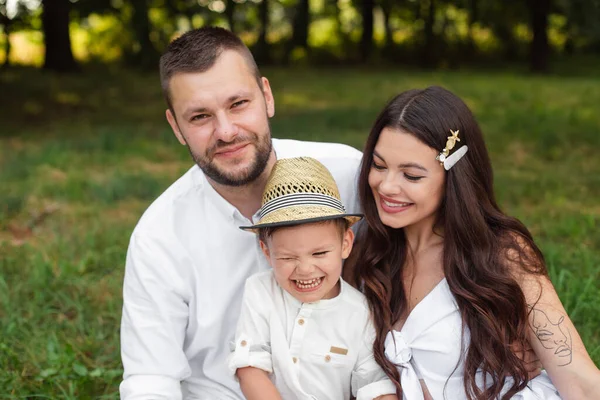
{"x":584,"y":385}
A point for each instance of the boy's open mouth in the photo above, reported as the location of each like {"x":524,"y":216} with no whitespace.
{"x":308,"y":285}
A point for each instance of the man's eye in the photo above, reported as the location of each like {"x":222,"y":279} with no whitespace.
{"x":199,"y":117}
{"x":238,"y":103}
{"x":413,"y":178}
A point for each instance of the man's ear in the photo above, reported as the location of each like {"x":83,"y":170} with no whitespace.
{"x":265,"y":249}
{"x":347,"y":242}
{"x":173,"y":122}
{"x":269,"y":99}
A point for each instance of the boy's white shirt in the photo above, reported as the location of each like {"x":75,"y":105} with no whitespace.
{"x":187,"y":264}
{"x":294,"y":341}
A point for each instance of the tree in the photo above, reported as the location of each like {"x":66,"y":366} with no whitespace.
{"x":145,"y":54}
{"x":300,"y":24}
{"x":55,"y":24}
{"x":5,"y":23}
{"x":502,"y":17}
{"x":230,"y":14}
{"x":262,"y":50}
{"x":366,"y":41}
{"x":539,"y":52}
{"x":582,"y":28}
{"x":473,"y":16}
{"x":428,"y":51}
{"x":387,"y":7}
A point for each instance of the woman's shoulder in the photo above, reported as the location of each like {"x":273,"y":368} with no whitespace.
{"x":520,"y":255}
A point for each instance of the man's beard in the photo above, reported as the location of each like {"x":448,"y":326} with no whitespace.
{"x":250,"y":174}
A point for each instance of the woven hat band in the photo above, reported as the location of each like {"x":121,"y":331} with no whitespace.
{"x":301,"y":199}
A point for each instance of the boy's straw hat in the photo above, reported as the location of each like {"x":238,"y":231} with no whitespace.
{"x":300,"y":190}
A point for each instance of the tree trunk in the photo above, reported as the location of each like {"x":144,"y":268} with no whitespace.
{"x":429,"y":52}
{"x":230,"y":14}
{"x":386,"y":7}
{"x":347,"y":47}
{"x":6,"y":28}
{"x":473,"y":16}
{"x":300,"y":25}
{"x":539,"y":10}
{"x":263,"y":52}
{"x":366,"y":41}
{"x":509,"y":45}
{"x":145,"y":55}
{"x":570,"y":40}
{"x":7,"y":47}
{"x":55,"y":24}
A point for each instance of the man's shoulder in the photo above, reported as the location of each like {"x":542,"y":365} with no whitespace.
{"x":161,"y":211}
{"x":288,"y":148}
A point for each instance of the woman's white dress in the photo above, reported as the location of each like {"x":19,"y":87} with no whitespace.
{"x":429,"y":347}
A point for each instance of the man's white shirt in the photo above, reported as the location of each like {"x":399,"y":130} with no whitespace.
{"x":314,"y":351}
{"x":186,"y":267}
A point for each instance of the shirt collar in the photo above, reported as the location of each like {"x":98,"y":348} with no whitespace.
{"x":214,"y":197}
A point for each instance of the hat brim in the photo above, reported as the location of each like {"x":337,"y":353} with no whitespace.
{"x":351,"y":218}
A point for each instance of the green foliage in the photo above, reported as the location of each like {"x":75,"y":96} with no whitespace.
{"x":462,"y":33}
{"x":96,"y":148}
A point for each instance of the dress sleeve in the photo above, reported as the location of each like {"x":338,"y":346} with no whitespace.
{"x":252,"y":345}
{"x":153,"y":324}
{"x":368,"y":379}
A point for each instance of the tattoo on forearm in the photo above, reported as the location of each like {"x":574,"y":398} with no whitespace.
{"x":553,"y":336}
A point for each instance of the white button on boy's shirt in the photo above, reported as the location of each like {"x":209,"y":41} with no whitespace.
{"x":319,"y":350}
{"x":186,"y":267}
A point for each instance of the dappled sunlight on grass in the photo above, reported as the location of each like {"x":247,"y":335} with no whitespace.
{"x":292,"y":100}
{"x":93,"y":152}
{"x":67,"y":98}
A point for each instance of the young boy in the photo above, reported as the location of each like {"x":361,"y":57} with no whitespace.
{"x":303,"y":332}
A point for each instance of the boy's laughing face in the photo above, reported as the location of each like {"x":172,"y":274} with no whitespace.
{"x":307,"y":259}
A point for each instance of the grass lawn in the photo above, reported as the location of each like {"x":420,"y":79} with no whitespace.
{"x":81,"y":158}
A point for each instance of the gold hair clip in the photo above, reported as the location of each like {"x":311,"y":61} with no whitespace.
{"x":447,"y":161}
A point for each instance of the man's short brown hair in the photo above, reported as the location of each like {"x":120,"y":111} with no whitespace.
{"x":197,"y":51}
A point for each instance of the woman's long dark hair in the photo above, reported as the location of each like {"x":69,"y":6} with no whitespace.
{"x":478,"y":242}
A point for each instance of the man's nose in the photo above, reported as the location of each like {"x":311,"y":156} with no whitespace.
{"x":225,"y":128}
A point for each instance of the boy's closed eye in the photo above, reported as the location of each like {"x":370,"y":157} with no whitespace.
{"x":285,"y":258}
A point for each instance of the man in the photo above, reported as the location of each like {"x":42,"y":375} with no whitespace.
{"x":188,"y":260}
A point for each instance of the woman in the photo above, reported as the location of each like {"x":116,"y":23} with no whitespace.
{"x":452,"y":282}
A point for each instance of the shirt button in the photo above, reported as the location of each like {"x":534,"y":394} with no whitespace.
{"x":295,"y":360}
{"x":300,"y":321}
{"x":243,"y":343}
{"x":327,"y":358}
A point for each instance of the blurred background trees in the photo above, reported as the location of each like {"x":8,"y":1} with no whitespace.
{"x":62,"y":35}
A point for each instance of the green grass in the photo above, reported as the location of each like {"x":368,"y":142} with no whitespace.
{"x":94,"y":150}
